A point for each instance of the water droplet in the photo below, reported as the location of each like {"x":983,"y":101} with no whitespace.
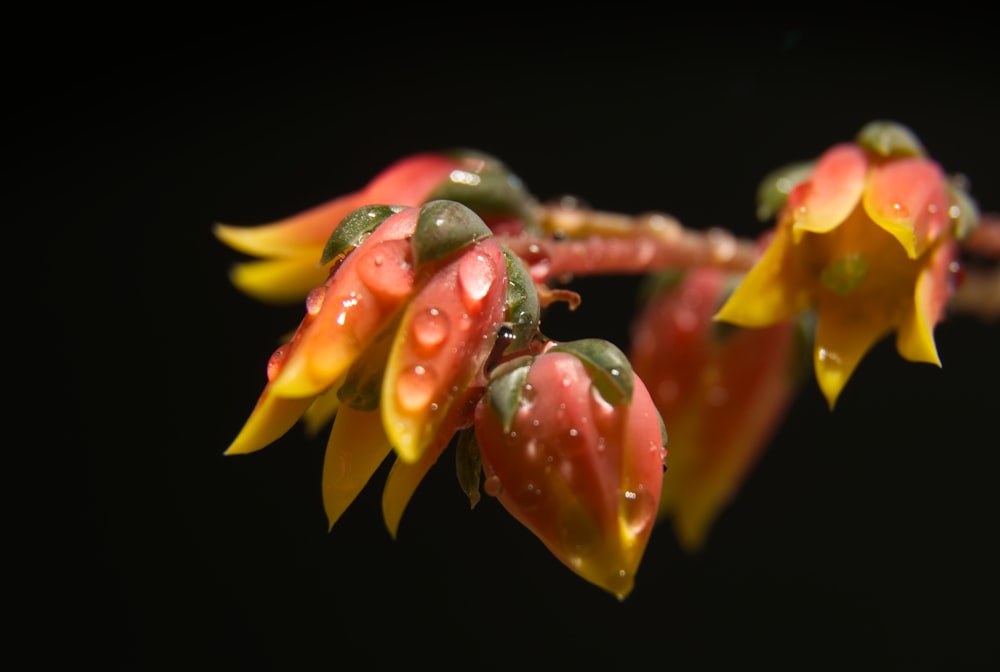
{"x":536,"y":422}
{"x":314,"y":300}
{"x":476,"y":276}
{"x":275,"y":363}
{"x":615,"y":372}
{"x":602,"y":444}
{"x":529,"y":497}
{"x":574,"y":432}
{"x":415,"y":388}
{"x":639,"y":509}
{"x":430,"y":329}
{"x":900,"y":210}
{"x":492,"y":485}
{"x":829,"y":358}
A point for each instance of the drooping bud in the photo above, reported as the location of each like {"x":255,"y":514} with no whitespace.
{"x":581,"y":471}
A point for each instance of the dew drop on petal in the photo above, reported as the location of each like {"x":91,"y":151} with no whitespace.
{"x":529,"y":497}
{"x":314,"y":300}
{"x":492,"y":485}
{"x":275,"y":363}
{"x":430,"y":329}
{"x":415,"y":387}
{"x":475,"y":277}
{"x":638,"y":509}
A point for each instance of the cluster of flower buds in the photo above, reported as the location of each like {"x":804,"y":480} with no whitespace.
{"x":423,"y":331}
{"x":423,"y":328}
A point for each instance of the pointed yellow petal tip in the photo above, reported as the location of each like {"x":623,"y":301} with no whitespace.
{"x":280,"y":281}
{"x":356,"y":448}
{"x":270,"y":420}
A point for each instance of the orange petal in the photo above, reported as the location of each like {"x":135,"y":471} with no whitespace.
{"x":280,"y":281}
{"x":447,"y":333}
{"x":843,"y":336}
{"x":833,"y":190}
{"x":354,"y":452}
{"x":908,"y":198}
{"x":348,"y":311}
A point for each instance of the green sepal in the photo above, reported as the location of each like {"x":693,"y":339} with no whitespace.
{"x":663,"y":429}
{"x":889,"y":139}
{"x":354,"y":228}
{"x":773,"y":190}
{"x":506,"y":388}
{"x":468,"y":465}
{"x":493,"y":190}
{"x":523,"y":308}
{"x":443,"y":228}
{"x":609,"y":367}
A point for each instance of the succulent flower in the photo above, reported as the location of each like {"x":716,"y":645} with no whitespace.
{"x":288,"y":251}
{"x":393,"y":343}
{"x":722,"y":391}
{"x":573,"y":447}
{"x":869,"y":241}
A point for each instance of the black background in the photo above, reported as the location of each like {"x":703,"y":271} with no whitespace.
{"x":865,"y":537}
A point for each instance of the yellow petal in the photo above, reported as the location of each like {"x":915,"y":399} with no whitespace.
{"x":770,"y":292}
{"x":843,"y":336}
{"x":280,"y":281}
{"x":833,"y":190}
{"x":270,"y":419}
{"x":915,"y":337}
{"x":402,"y":482}
{"x":322,"y":410}
{"x":356,"y":448}
{"x":292,"y":236}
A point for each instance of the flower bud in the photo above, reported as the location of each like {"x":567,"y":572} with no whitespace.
{"x":573,"y":447}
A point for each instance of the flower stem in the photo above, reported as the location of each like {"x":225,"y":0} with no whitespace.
{"x":580,"y":242}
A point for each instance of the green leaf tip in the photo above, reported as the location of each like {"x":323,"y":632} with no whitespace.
{"x":506,"y":388}
{"x":608,"y":365}
{"x":443,"y":228}
{"x":889,"y":138}
{"x":523,"y":308}
{"x":354,"y":228}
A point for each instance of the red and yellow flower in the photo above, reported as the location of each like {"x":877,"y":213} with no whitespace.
{"x":288,"y":251}
{"x":393,"y":344}
{"x":868,"y":240}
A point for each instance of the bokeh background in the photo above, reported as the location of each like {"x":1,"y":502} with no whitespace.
{"x":865,"y":537}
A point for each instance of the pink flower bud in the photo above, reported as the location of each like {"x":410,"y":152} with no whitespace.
{"x":580,"y":468}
